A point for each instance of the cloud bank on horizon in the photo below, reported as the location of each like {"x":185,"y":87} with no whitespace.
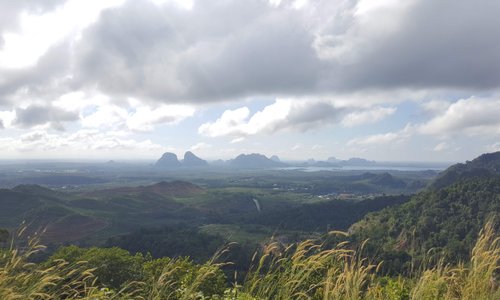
{"x":387,"y":80}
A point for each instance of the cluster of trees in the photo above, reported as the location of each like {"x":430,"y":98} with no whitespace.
{"x":322,"y":216}
{"x":188,"y":241}
{"x":171,"y":241}
{"x":117,"y":269}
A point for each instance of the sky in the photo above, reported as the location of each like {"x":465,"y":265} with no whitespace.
{"x":386,"y":80}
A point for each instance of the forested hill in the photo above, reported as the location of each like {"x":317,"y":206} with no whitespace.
{"x":484,"y":166}
{"x":446,"y":220}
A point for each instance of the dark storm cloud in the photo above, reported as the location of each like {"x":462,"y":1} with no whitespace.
{"x":43,"y":81}
{"x":121,"y":53}
{"x":218,"y":50}
{"x":441,"y":44}
{"x":271,"y":55}
{"x":315,"y":115}
{"x":225,"y":50}
{"x":302,"y":116}
{"x":39,"y":115}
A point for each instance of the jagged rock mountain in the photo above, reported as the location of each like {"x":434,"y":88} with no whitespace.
{"x":168,"y":160}
{"x":191,"y":160}
{"x":275,"y":158}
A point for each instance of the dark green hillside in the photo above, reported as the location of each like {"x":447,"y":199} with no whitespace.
{"x":66,"y":217}
{"x":446,"y":220}
{"x":387,"y":180}
{"x":26,"y":203}
{"x":14,"y":206}
{"x":483,"y":166}
{"x":446,"y":217}
{"x":165,"y":189}
{"x":38,"y":190}
{"x":61,"y":180}
{"x":335,"y":214}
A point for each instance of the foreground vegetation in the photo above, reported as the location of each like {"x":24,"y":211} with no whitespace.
{"x":432,"y":225}
{"x":306,"y":270}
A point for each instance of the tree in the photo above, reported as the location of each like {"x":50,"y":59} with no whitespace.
{"x":114,"y":267}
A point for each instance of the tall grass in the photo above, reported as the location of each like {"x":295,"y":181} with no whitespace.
{"x":476,"y":280}
{"x":21,"y":279}
{"x":306,"y":271}
{"x":300,"y":271}
{"x":179,"y":279}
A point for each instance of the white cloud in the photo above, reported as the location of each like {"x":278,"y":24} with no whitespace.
{"x":139,"y":118}
{"x":472,"y":116}
{"x":384,"y":138}
{"x":80,"y":144}
{"x":493,"y":147}
{"x":7,"y":118}
{"x":39,"y":32}
{"x":106,"y":117}
{"x":230,"y":123}
{"x":145,"y":118}
{"x":81,"y":101}
{"x":237,"y":140}
{"x":441,"y":147}
{"x":446,"y":147}
{"x":435,"y":106}
{"x":200,"y":146}
{"x":275,"y":2}
{"x":283,"y":114}
{"x":375,"y":139}
{"x":299,"y":4}
{"x":185,"y":4}
{"x":368,"y":116}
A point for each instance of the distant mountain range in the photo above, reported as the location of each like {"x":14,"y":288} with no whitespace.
{"x":170,"y":160}
{"x":251,"y":161}
{"x":255,"y":160}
